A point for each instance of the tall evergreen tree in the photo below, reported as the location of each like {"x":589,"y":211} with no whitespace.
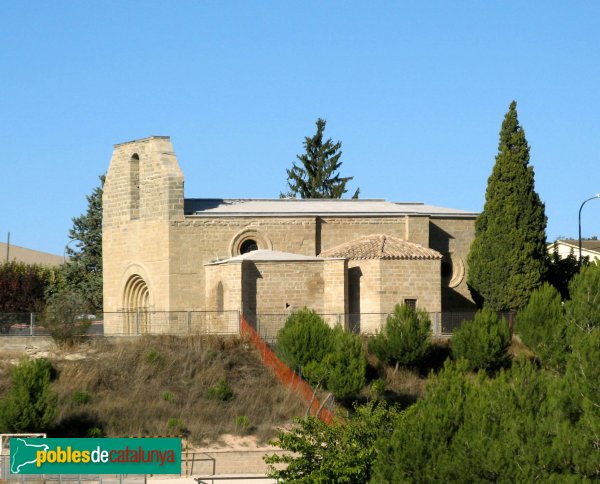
{"x":317,"y":176}
{"x":507,"y":260}
{"x":83,"y":271}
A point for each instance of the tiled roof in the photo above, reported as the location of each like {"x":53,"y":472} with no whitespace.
{"x":223,"y":207}
{"x":381,"y":246}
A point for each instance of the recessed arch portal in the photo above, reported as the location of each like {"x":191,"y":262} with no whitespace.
{"x":136,"y":295}
{"x":136,"y":302}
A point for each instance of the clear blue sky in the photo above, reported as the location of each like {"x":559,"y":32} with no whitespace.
{"x":416,"y":92}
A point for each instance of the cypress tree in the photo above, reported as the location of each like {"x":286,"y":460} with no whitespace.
{"x":507,"y":259}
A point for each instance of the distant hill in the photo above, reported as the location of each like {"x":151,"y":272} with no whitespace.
{"x":29,"y":256}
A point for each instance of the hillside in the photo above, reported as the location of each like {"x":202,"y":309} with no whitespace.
{"x":201,"y":387}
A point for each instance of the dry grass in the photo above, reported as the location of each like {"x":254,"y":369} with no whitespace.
{"x":159,"y":386}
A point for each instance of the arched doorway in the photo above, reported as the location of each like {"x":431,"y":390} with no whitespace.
{"x":136,"y":302}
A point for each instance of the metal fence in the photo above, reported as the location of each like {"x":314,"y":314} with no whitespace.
{"x":134,"y":323}
{"x":209,"y":463}
{"x":6,"y":476}
{"x":442,"y":323}
{"x":131,"y":323}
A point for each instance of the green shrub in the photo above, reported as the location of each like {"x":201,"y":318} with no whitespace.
{"x":81,"y":397}
{"x":95,"y":433}
{"x":343,"y":451}
{"x":176,"y":425}
{"x":482,"y":342}
{"x":543,"y":327}
{"x":346,"y":366}
{"x":405,"y":338}
{"x":221,"y":392}
{"x":304,"y":338}
{"x":167,"y":396}
{"x":583,"y":368}
{"x":154,"y":357}
{"x":66,"y":317}
{"x":30,"y":404}
{"x":377,"y":389}
{"x":242,"y":423}
{"x":584,"y":307}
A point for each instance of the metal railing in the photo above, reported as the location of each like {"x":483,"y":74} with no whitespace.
{"x":209,"y":463}
{"x":442,"y":323}
{"x":181,"y":323}
{"x":131,"y":323}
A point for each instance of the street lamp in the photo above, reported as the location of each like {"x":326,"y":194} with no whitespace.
{"x":584,"y":202}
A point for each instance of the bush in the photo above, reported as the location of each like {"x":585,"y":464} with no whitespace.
{"x":377,"y":389}
{"x":66,"y":317}
{"x":23,"y":286}
{"x":583,"y":370}
{"x":543,"y":327}
{"x":242,"y":423}
{"x":81,"y":397}
{"x":30,"y":404}
{"x":221,"y":392}
{"x":584,"y":307}
{"x":304,"y":338}
{"x":405,"y":338}
{"x":340,"y":452}
{"x":94,"y":433}
{"x":154,"y":357}
{"x":345,"y":367}
{"x":168,"y":396}
{"x":176,"y":425}
{"x":482,"y":342}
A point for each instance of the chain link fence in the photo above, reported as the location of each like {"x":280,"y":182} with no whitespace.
{"x":131,"y":323}
{"x":134,"y":323}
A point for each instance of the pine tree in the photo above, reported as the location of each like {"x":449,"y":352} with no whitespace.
{"x":317,"y":176}
{"x":83,"y":272}
{"x":507,"y":260}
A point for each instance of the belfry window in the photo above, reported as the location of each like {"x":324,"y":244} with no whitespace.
{"x":134,"y":180}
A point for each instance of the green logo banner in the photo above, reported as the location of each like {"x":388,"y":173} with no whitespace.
{"x":95,"y":456}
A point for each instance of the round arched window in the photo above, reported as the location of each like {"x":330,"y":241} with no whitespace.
{"x":248,"y":245}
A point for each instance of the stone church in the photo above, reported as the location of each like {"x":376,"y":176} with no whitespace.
{"x":355,"y":259}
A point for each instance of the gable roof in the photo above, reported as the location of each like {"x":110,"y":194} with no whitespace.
{"x":381,"y":246}
{"x":588,"y":244}
{"x":288,"y":207}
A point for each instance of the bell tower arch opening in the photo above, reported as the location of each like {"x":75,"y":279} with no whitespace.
{"x":134,"y":180}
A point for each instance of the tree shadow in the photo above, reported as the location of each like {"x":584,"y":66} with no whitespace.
{"x":76,"y":425}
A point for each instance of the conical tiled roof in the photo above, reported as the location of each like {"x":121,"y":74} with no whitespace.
{"x":381,"y":246}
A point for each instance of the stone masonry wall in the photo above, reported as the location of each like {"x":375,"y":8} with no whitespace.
{"x":333,"y":231}
{"x":281,"y":287}
{"x":411,"y":279}
{"x":452,"y":237}
{"x":230,"y":276}
{"x":197,"y":241}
